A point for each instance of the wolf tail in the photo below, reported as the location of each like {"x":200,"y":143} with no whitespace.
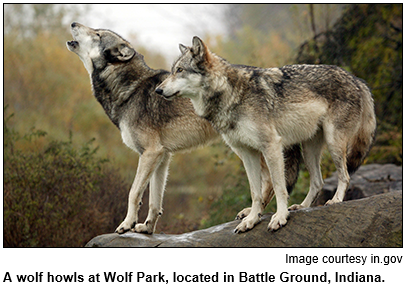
{"x":362,"y":142}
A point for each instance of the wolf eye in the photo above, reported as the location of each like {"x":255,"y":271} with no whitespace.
{"x":98,"y":35}
{"x":179,"y":70}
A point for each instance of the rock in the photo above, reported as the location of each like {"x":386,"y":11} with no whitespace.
{"x":375,"y":221}
{"x":369,"y":180}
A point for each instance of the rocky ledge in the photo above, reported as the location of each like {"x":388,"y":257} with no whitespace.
{"x":372,"y":219}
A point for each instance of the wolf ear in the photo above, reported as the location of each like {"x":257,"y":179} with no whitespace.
{"x":121,"y":52}
{"x":200,"y":50}
{"x":183,"y":49}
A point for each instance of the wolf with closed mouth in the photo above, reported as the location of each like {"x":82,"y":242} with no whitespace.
{"x":155,"y":128}
{"x":261,"y":112}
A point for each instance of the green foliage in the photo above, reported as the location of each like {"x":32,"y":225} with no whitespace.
{"x":235,"y":197}
{"x":388,"y":146}
{"x":59,"y":195}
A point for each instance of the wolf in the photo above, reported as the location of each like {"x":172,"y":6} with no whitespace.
{"x":155,"y":128}
{"x":262,"y":111}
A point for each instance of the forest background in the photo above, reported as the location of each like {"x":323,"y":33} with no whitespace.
{"x":67,"y":172}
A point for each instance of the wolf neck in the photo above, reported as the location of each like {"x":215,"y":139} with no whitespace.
{"x":199,"y":105}
{"x":114,"y":85}
{"x":216,"y":99}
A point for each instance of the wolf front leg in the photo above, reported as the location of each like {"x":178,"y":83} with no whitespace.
{"x":147,"y":164}
{"x":252,"y":165}
{"x":156,"y":191}
{"x":273,"y":154}
{"x":267,"y":189}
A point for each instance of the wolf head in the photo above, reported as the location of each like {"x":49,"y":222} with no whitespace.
{"x":98,"y":47}
{"x":188,"y":71}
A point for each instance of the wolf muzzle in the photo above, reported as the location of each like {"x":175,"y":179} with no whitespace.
{"x":73,"y":44}
{"x":159,"y":91}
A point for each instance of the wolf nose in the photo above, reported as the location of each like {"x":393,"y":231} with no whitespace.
{"x":74,"y":24}
{"x":159,"y":91}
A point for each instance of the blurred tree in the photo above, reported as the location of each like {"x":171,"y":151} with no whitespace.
{"x":252,"y":47}
{"x":293,"y":22}
{"x":29,"y":20}
{"x":261,"y":35}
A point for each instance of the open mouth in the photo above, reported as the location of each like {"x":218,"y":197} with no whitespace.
{"x":73,"y":44}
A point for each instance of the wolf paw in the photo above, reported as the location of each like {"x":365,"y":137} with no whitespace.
{"x":125,"y":226}
{"x":243,"y":213}
{"x":278,"y":220}
{"x":143,"y":228}
{"x":247,"y":224}
{"x":296,"y":207}
{"x":332,"y":201}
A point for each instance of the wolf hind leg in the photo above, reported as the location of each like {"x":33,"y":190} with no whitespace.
{"x":337,"y":143}
{"x":147,"y":164}
{"x":156,"y":191}
{"x":252,"y":165}
{"x":312,"y":149}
